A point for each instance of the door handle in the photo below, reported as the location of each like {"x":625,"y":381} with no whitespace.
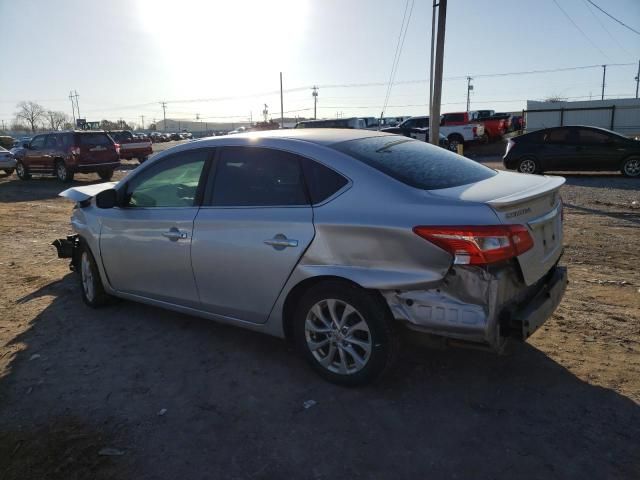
{"x":174,"y":234}
{"x":280,"y":242}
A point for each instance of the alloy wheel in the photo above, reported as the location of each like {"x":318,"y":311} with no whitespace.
{"x":61,"y":171}
{"x":338,"y":336}
{"x":87,"y":277}
{"x":527,"y":166}
{"x":632,"y":167}
{"x":20,"y":169}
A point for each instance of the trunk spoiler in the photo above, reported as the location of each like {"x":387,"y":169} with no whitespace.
{"x":539,"y":190}
{"x":80,"y":194}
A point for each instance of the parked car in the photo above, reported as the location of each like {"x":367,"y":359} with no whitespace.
{"x":7,"y":162}
{"x":455,"y":134}
{"x":6,"y":141}
{"x":353,"y":122}
{"x":577,"y":148}
{"x":22,"y":142}
{"x":175,"y":136}
{"x":65,"y":153}
{"x":423,"y":134}
{"x":334,"y":239}
{"x":494,"y":127}
{"x":132,"y":146}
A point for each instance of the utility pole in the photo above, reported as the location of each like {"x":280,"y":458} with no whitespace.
{"x":604,"y":75}
{"x":164,"y":115}
{"x":315,"y":101}
{"x":281,"y":104}
{"x":469,"y":88}
{"x":73,"y":108}
{"x":637,"y":79}
{"x":77,"y":104}
{"x":434,"y":122}
{"x":433,"y":38}
{"x":142,"y":121}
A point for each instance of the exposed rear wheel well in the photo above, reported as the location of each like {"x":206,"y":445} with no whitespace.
{"x":297,"y":292}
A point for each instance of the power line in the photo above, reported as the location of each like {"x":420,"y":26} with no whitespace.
{"x":605,"y":28}
{"x":614,"y":18}
{"x":579,"y":29}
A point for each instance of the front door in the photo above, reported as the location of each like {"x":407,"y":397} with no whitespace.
{"x":254,"y":225}
{"x":561,"y":149}
{"x":33,"y":155}
{"x":146,"y":243}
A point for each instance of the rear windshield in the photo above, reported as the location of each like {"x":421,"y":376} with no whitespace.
{"x":415,"y":163}
{"x":95,"y":139}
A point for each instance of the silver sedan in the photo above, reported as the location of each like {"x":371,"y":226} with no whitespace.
{"x":7,"y":162}
{"x":333,"y":239}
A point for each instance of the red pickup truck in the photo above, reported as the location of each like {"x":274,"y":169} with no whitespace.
{"x":494,"y":127}
{"x":130,"y":146}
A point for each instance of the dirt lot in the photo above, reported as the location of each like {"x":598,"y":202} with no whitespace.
{"x":173,"y":396}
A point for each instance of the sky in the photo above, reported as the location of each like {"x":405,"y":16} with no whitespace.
{"x":220,"y":59}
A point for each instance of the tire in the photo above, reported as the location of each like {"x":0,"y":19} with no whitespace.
{"x":454,"y":141}
{"x":631,"y":167}
{"x":529,"y":165}
{"x":62,"y":172}
{"x":106,"y":174}
{"x":22,"y":172}
{"x":141,"y":160}
{"x":93,"y":293}
{"x":361,"y":350}
{"x":8,"y":171}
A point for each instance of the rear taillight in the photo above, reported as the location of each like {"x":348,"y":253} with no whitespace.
{"x":117,"y":147}
{"x":479,"y":245}
{"x":510,"y":145}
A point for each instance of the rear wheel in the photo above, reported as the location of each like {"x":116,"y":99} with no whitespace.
{"x":345,"y":333}
{"x":22,"y":172}
{"x":106,"y":174}
{"x":454,"y":141}
{"x":8,"y":171}
{"x":142,"y":159}
{"x":93,"y":293}
{"x":528,"y":165}
{"x":63,"y":173}
{"x":631,"y":167}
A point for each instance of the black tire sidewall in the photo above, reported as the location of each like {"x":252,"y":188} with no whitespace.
{"x":106,"y":175}
{"x":537,"y":164}
{"x":68,"y":174}
{"x":624,"y":163}
{"x":375,"y":314}
{"x":26,"y":175}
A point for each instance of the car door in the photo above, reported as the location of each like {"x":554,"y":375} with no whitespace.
{"x":33,"y":155}
{"x":253,"y":227}
{"x":50,"y":150}
{"x":560,"y":150}
{"x":145,"y":244}
{"x":598,"y":150}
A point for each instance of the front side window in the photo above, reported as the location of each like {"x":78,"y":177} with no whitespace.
{"x":257,"y":177}
{"x":38,"y":142}
{"x":172,"y":182}
{"x":557,"y":136}
{"x":52,"y":141}
{"x":415,"y":163}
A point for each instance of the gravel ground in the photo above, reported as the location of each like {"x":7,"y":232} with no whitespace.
{"x":131,"y":391}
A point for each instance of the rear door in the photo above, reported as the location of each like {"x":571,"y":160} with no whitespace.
{"x":96,"y":148}
{"x":146,"y":244}
{"x":252,"y":229}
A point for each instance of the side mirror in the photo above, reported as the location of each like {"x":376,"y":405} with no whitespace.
{"x":107,"y":198}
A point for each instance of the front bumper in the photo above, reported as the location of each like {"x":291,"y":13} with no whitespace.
{"x":7,"y":163}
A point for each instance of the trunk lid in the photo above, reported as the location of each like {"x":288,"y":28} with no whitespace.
{"x":530,"y":200}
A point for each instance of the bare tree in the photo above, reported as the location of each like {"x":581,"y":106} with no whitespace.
{"x":56,"y":119}
{"x":555,"y":99}
{"x":30,"y":112}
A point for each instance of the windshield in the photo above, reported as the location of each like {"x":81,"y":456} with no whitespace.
{"x":415,"y":163}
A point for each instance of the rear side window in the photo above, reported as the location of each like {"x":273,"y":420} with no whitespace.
{"x":253,"y":176}
{"x":92,"y":139}
{"x":415,"y":163}
{"x":322,"y":181}
{"x":593,"y":137}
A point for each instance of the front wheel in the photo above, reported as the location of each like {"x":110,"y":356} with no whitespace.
{"x":93,"y":293}
{"x":22,"y":172}
{"x":63,"y":173}
{"x":345,"y":333}
{"x":142,"y":159}
{"x":454,"y":141}
{"x":528,"y":165}
{"x":631,"y":167}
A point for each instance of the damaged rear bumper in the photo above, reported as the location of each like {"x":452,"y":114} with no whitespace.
{"x":481,"y":306}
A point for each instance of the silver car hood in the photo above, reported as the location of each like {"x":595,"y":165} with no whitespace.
{"x":80,"y":194}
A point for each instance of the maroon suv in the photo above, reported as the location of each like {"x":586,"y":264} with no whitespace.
{"x":64,"y":153}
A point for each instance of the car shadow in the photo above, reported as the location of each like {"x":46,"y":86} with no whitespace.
{"x":175,"y":395}
{"x":633,"y":217}
{"x":599,"y":180}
